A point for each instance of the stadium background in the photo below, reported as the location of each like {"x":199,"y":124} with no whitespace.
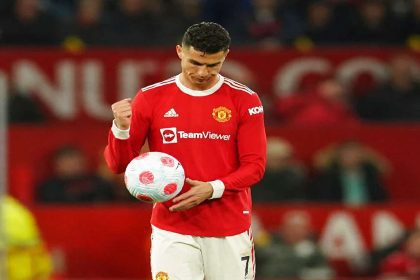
{"x":75,"y":76}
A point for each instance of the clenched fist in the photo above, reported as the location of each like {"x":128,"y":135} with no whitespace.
{"x":122,"y":113}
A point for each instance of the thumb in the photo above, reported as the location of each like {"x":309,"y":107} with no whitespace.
{"x":192,"y":182}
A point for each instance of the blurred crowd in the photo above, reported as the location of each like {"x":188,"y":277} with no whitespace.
{"x":265,"y":23}
{"x":349,"y":173}
{"x":293,"y":251}
{"x":331,"y":102}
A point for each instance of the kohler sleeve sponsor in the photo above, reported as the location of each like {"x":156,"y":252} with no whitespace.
{"x":255,"y":110}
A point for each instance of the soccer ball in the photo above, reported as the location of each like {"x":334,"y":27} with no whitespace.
{"x":154,"y":177}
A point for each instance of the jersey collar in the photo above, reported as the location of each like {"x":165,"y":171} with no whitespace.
{"x":206,"y":92}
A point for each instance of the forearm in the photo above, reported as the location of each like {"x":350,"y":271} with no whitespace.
{"x":245,"y":176}
{"x":118,"y":153}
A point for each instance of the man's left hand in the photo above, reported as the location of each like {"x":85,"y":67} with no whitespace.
{"x":199,"y":192}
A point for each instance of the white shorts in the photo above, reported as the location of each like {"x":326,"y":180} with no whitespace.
{"x":184,"y":257}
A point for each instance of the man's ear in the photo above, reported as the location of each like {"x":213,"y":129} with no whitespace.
{"x":179,"y":51}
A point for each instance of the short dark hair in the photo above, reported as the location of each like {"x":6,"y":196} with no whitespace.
{"x":207,"y":37}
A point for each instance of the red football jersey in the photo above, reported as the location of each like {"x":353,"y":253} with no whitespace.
{"x":216,"y":134}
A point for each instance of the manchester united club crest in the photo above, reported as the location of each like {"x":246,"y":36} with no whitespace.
{"x":222,"y":114}
{"x":162,"y":276}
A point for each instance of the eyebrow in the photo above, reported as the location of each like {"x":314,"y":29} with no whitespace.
{"x":195,"y":62}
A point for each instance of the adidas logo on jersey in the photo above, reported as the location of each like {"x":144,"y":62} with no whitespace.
{"x":171,"y":114}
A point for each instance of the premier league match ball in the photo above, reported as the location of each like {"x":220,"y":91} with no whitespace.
{"x":154,"y":177}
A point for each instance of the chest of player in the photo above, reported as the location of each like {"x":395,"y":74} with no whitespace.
{"x":184,"y":118}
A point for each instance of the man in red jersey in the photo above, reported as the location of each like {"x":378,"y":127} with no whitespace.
{"x":215,"y":127}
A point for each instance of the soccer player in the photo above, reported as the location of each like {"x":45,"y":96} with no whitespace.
{"x":215,"y":127}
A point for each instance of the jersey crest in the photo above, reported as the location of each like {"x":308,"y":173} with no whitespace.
{"x":222,"y":114}
{"x":162,"y":276}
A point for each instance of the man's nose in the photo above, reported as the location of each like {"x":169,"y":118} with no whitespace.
{"x":203,"y":71}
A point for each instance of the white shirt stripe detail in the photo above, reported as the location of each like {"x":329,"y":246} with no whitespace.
{"x":237,"y":84}
{"x":168,"y":81}
{"x":240,"y":88}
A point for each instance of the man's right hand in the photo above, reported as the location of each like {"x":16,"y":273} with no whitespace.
{"x":122,"y":113}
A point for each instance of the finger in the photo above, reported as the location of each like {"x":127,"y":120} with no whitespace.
{"x":120,"y":105}
{"x":192,"y":182}
{"x":122,"y":116}
{"x":176,"y":207}
{"x":183,"y":196}
{"x":122,"y":113}
{"x":183,"y":205}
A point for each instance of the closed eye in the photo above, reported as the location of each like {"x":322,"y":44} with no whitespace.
{"x":195,"y":62}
